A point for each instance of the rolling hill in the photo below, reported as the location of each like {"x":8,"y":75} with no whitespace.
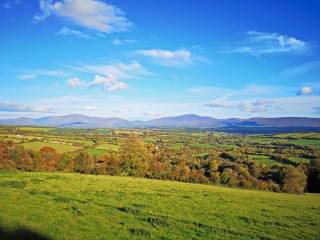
{"x":74,"y":206}
{"x":183,"y":121}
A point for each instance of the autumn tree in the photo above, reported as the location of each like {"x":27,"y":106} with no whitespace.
{"x":50,"y":158}
{"x":214,"y":163}
{"x":5,"y":162}
{"x":66,"y":163}
{"x":20,"y":157}
{"x":83,"y":162}
{"x":294,"y":180}
{"x":135,"y":157}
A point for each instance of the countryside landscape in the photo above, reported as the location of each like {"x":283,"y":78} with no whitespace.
{"x":159,"y":119}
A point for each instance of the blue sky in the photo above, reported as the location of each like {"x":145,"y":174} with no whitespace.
{"x":147,"y":59}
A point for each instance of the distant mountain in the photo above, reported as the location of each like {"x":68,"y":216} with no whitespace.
{"x":287,"y":122}
{"x":183,"y":121}
{"x":75,"y":121}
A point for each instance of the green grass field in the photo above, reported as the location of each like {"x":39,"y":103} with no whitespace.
{"x":108,"y":147}
{"x":36,"y":129}
{"x":96,"y":152}
{"x":60,"y":148}
{"x":262,"y":159}
{"x":72,"y":206}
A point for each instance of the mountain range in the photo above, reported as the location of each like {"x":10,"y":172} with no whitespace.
{"x":183,"y":121}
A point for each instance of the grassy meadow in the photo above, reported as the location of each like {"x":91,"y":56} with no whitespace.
{"x":74,"y":206}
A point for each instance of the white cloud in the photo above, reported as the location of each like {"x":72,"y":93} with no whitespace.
{"x":258,"y":43}
{"x":306,"y":90}
{"x":119,"y":42}
{"x":116,"y":86}
{"x":71,"y":32}
{"x":112,"y":77}
{"x":32,"y":74}
{"x":90,"y":108}
{"x":168,"y":58}
{"x":92,"y":14}
{"x":15,"y":107}
{"x":75,"y":82}
{"x":111,"y":83}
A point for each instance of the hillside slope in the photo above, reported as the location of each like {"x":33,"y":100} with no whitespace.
{"x":72,"y":206}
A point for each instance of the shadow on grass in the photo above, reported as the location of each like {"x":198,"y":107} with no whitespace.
{"x":20,"y":234}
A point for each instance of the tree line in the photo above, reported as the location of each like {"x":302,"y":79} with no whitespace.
{"x":136,"y":158}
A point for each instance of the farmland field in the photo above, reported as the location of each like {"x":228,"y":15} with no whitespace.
{"x":61,"y":148}
{"x":69,"y":205}
{"x":73,"y":206}
{"x":97,"y":142}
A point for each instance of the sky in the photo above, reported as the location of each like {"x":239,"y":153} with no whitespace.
{"x":145,"y":59}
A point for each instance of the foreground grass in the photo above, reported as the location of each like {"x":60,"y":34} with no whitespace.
{"x":72,"y":206}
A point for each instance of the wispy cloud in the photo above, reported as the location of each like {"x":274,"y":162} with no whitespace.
{"x":208,"y":90}
{"x":91,"y":14}
{"x":8,"y":4}
{"x":259,"y":43}
{"x":64,"y":31}
{"x":302,"y":105}
{"x":316,"y":110}
{"x":256,"y":106}
{"x":253,"y":106}
{"x":301,"y":69}
{"x":167,"y":57}
{"x":220,"y":104}
{"x":15,"y":107}
{"x":120,"y":70}
{"x":119,"y":42}
{"x":250,"y":90}
{"x":27,"y":76}
{"x":32,"y":74}
{"x":252,"y":98}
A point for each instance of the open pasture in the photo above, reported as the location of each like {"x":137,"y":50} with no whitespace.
{"x":73,"y":206}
